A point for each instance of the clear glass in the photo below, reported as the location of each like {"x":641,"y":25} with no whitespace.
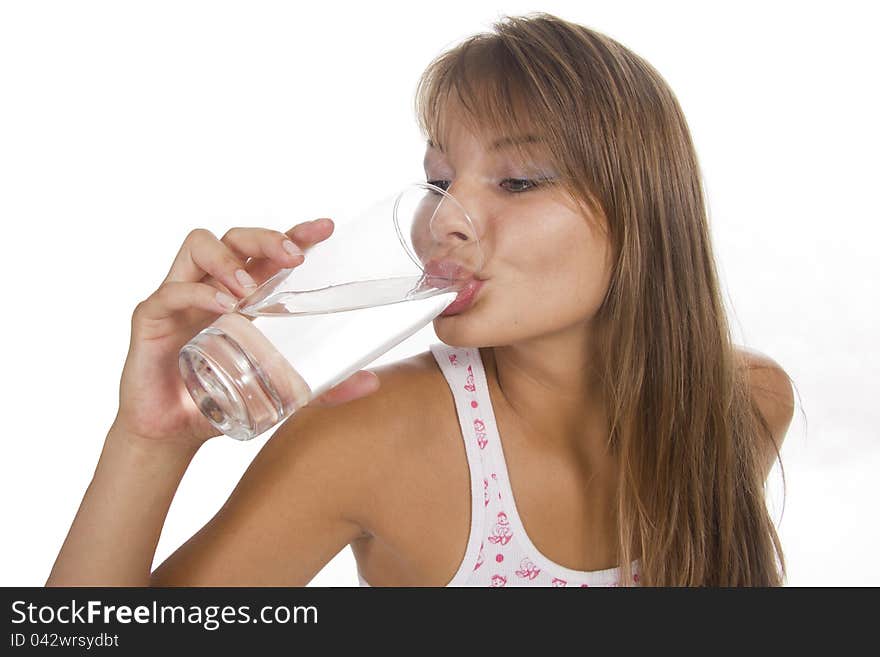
{"x":379,"y":278}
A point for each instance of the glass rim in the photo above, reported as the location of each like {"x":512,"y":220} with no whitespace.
{"x":440,"y":190}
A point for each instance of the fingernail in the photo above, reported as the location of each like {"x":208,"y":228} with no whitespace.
{"x":244,"y":278}
{"x":291,"y":248}
{"x":226,"y":302}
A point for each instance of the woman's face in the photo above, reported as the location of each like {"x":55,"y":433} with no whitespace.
{"x":546,"y":268}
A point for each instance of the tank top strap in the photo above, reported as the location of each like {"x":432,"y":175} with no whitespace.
{"x":461,"y":368}
{"x":503,"y":553}
{"x":466,"y":374}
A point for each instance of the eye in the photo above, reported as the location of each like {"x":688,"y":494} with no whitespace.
{"x":442,"y":184}
{"x":520,"y":184}
{"x":532,"y":184}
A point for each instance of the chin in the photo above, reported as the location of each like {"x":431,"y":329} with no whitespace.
{"x":466,"y":329}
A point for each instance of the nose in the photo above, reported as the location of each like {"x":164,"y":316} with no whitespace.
{"x":451,"y":221}
{"x":444,"y":231}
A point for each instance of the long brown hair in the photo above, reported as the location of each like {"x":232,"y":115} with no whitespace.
{"x":690,"y":440}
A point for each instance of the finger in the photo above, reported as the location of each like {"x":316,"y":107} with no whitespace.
{"x":257,"y":249}
{"x":202,"y":253}
{"x":178,"y":296}
{"x":359,"y":384}
{"x":210,"y":280}
{"x":304,"y":235}
{"x":266,"y":243}
{"x":309,"y":233}
{"x":259,"y":243}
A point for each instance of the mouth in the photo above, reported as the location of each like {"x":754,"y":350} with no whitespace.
{"x":465,"y":298}
{"x":440,"y":272}
{"x":448,"y":273}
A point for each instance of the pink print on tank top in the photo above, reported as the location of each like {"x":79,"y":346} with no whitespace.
{"x":502,"y":532}
{"x":527,"y":569}
{"x":498,"y":580}
{"x":558,"y":582}
{"x":469,"y":382}
{"x":479,"y":558}
{"x":480,"y":432}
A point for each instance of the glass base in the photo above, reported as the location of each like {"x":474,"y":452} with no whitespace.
{"x":227,"y":387}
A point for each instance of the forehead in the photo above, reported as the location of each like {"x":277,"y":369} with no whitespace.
{"x":502,"y":126}
{"x":498,"y":143}
{"x":521,"y":150}
{"x":495,"y":129}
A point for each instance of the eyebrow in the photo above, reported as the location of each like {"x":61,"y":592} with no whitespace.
{"x":500,"y":143}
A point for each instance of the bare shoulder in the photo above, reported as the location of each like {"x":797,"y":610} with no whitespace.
{"x":407,"y":403}
{"x":405,"y":389}
{"x":315,"y":486}
{"x":373,"y":433}
{"x":773,"y":395}
{"x":407,"y":394}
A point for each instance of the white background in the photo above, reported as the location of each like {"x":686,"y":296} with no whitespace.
{"x":124,"y":125}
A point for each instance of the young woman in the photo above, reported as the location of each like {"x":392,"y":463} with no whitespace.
{"x":585,"y":421}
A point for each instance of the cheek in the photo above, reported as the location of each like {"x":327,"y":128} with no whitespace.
{"x":564,"y":272}
{"x":560,"y":258}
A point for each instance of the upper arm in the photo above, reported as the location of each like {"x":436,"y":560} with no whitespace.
{"x":774,"y":399}
{"x":293,"y":510}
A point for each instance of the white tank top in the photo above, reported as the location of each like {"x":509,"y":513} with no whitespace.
{"x":499,"y":552}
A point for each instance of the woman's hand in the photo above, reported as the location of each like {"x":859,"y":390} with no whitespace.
{"x":206,"y":279}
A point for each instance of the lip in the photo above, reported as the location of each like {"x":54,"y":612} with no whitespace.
{"x":439,"y":270}
{"x":465,"y":298}
{"x":445,"y":268}
{"x":442,"y":273}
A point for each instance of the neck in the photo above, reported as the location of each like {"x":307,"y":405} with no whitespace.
{"x":549,"y":385}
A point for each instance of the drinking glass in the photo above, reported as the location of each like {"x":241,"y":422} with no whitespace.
{"x":382,"y":275}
